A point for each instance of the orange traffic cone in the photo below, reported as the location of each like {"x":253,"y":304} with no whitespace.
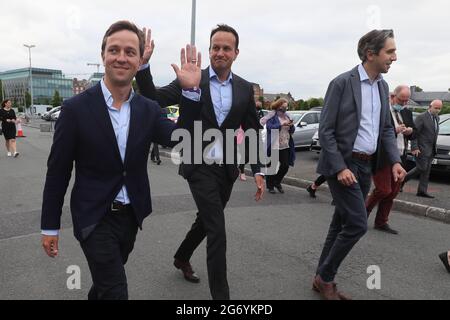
{"x":19,"y":130}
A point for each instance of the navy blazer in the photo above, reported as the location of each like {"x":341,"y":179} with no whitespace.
{"x":84,"y":136}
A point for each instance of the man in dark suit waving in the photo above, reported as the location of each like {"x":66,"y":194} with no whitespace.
{"x":107,"y":131}
{"x":228,"y":103}
{"x":354,"y":128}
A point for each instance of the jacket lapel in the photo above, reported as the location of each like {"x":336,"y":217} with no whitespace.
{"x":133,"y":126}
{"x":208,"y":109}
{"x":384,"y":105}
{"x":356,"y":87}
{"x":100,"y":112}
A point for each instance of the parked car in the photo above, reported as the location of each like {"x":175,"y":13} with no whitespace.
{"x":48,"y":115}
{"x":315,"y":144}
{"x":441,"y":161}
{"x":306,"y":124}
{"x":55,"y":115}
{"x":444,"y":117}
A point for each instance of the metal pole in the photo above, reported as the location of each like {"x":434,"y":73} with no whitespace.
{"x":31,"y":78}
{"x":194,"y":5}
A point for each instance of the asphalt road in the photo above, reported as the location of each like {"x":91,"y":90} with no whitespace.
{"x":273,"y":246}
{"x":439,"y":186}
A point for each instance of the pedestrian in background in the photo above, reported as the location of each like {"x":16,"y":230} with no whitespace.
{"x":386,"y":188}
{"x":8,"y":119}
{"x":281,"y":143}
{"x":424,"y":147}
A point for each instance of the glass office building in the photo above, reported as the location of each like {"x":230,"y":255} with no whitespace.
{"x":45,"y":82}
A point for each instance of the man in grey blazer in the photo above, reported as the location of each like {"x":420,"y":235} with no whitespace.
{"x":424,"y":146}
{"x":355,"y":127}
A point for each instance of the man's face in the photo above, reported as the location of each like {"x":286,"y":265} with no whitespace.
{"x":402,"y":98}
{"x":383,"y":60}
{"x":223,"y":52}
{"x":435,"y":107}
{"x":121,"y":57}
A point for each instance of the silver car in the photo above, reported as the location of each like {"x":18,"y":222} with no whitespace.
{"x":306,"y":125}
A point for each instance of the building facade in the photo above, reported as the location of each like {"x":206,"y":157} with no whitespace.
{"x":16,"y":83}
{"x":79,"y":86}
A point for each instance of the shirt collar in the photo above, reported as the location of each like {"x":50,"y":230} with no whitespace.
{"x":365,"y":77}
{"x":213,"y":74}
{"x":107,"y":95}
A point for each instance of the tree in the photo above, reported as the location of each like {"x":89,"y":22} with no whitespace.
{"x":313,"y":102}
{"x":27,"y":99}
{"x":56,"y":102}
{"x":419,"y":89}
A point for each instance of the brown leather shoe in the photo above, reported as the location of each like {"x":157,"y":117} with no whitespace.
{"x":187,"y":270}
{"x":328,"y":291}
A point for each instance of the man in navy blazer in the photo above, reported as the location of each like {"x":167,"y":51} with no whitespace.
{"x":355,"y":128}
{"x":106,"y":132}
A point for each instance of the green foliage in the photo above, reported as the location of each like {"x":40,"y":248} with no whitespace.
{"x":57,"y":100}
{"x":418,"y":89}
{"x":445,"y":108}
{"x":27,"y":99}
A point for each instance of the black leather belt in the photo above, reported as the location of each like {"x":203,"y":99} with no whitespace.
{"x":362,"y":156}
{"x":117,"y":206}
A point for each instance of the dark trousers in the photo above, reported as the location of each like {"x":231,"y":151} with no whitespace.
{"x":107,"y":249}
{"x":154,"y":154}
{"x":349,"y":221}
{"x":386,"y":190}
{"x":211,"y":189}
{"x":422,"y":169}
{"x":320,"y":180}
{"x":276,"y":179}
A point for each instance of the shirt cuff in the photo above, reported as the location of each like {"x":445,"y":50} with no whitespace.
{"x":192,"y":95}
{"x":259,"y":174}
{"x":144,"y":66}
{"x":50,"y":233}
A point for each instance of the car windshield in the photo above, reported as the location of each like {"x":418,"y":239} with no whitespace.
{"x":296,"y":116}
{"x":444,"y":128}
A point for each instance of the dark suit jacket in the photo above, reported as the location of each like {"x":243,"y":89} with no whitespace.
{"x":408,"y":120}
{"x":242,"y":113}
{"x":426,"y":136}
{"x":84,"y":135}
{"x":340,"y":120}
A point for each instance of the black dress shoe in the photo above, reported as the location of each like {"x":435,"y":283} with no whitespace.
{"x":271,"y":190}
{"x":279,"y":188}
{"x":444,"y":259}
{"x":424,"y":195}
{"x":387,"y":228}
{"x":158,"y":162}
{"x":311,"y":191}
{"x":187,"y":270}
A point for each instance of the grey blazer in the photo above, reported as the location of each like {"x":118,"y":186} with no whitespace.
{"x":426,"y":135}
{"x":340,"y":120}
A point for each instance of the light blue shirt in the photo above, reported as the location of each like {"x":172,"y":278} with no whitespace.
{"x":369,"y":127}
{"x":221,"y":95}
{"x":120,"y":119}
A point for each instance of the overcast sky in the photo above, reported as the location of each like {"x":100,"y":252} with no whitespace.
{"x":285,"y":45}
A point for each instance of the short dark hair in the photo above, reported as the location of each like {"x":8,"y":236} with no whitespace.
{"x":5,"y":102}
{"x":224,"y":28}
{"x":125,"y":25}
{"x":373,"y":41}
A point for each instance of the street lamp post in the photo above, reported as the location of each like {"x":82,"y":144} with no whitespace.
{"x":194,"y":5}
{"x":31,"y":76}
